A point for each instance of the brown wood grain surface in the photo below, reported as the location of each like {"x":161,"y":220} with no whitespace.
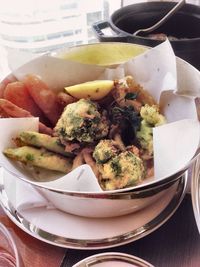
{"x":34,"y":253}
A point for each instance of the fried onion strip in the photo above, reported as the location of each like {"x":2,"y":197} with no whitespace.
{"x":64,"y":99}
{"x":14,"y":111}
{"x":78,"y":161}
{"x":90,"y":161}
{"x":117,"y":138}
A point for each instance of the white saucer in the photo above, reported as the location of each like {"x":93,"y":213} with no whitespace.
{"x":70,"y":231}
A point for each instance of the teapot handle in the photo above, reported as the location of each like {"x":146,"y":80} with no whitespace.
{"x":98,"y":28}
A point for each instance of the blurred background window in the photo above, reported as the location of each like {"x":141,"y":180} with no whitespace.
{"x":33,"y":27}
{"x":39,"y":26}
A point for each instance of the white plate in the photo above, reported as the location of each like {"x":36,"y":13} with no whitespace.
{"x":71,"y":231}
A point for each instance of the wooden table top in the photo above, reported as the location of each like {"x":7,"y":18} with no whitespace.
{"x":34,"y":253}
{"x":174,"y":244}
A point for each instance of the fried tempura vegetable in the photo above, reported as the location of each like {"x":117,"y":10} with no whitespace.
{"x":13,"y":111}
{"x":65,"y":99}
{"x":129,"y":93}
{"x":105,"y":150}
{"x":43,"y":140}
{"x":150,"y":118}
{"x":143,"y":96}
{"x":40,"y":158}
{"x":123,"y":170}
{"x":87,"y":156}
{"x":145,"y":137}
{"x":81,"y":121}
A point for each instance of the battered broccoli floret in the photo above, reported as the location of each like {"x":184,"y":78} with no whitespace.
{"x":150,"y":118}
{"x":151,"y":115}
{"x":105,"y":150}
{"x":81,"y":121}
{"x":145,"y":137}
{"x":123,"y":170}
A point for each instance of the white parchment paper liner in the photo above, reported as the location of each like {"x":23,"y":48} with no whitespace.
{"x":156,"y":70}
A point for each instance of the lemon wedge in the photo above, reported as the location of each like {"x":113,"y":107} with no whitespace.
{"x":93,"y":90}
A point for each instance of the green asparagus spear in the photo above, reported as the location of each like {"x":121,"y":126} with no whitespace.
{"x":43,"y":140}
{"x":40,"y":158}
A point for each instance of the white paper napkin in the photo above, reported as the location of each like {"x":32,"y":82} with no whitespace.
{"x":81,"y":179}
{"x":22,"y":195}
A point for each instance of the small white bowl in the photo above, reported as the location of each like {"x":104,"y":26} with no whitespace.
{"x":101,"y":205}
{"x":113,"y":259}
